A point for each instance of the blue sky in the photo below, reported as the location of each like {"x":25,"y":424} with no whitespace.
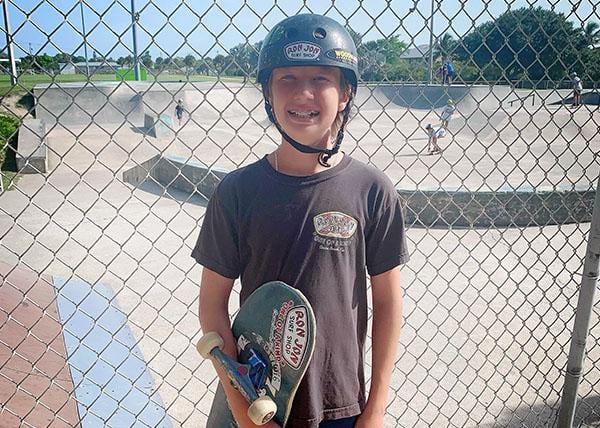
{"x":180,"y":27}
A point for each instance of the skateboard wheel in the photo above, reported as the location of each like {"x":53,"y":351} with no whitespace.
{"x":262,"y":410}
{"x":208,"y":342}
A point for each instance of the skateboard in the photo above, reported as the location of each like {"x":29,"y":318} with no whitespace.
{"x":275,"y":334}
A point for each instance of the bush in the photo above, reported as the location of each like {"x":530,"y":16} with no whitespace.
{"x":8,"y":145}
{"x":8,"y":133}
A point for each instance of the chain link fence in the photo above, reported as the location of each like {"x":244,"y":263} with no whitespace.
{"x":104,"y":190}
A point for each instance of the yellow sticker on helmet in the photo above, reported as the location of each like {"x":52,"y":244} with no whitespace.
{"x":342,"y":56}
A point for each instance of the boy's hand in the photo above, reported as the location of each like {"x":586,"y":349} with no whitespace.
{"x":270,"y":424}
{"x":369,"y":420}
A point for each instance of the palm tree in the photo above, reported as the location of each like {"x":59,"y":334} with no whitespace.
{"x":591,"y":32}
{"x":444,"y":46}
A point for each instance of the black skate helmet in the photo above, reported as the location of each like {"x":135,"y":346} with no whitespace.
{"x":309,"y":40}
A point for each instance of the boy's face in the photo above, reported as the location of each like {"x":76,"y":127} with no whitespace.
{"x":306,"y":101}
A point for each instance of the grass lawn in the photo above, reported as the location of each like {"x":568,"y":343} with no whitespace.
{"x":28,"y":81}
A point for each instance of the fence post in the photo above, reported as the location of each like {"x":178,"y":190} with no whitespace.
{"x":9,"y":43}
{"x":583,"y":313}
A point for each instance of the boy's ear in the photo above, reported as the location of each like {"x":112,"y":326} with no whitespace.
{"x":344,"y":99}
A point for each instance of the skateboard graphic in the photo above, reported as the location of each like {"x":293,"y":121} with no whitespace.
{"x":275,"y":334}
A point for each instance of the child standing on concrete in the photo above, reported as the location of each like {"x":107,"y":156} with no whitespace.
{"x":313,"y":217}
{"x":179,"y":111}
{"x":447,"y":113}
{"x":577,"y":89}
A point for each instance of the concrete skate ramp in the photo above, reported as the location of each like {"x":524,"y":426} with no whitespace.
{"x":79,"y":104}
{"x":426,"y":97}
{"x":102,"y":103}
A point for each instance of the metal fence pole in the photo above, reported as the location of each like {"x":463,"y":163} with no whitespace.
{"x":431,"y":42}
{"x":9,"y":44}
{"x":136,"y":59}
{"x":583,"y":314}
{"x":87,"y":65}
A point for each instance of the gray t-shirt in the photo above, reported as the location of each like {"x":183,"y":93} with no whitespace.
{"x":320,"y":234}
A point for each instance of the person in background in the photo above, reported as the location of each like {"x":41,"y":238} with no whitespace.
{"x":432,"y":141}
{"x":447,"y":113}
{"x":449,"y":72}
{"x":179,"y":111}
{"x":577,"y":89}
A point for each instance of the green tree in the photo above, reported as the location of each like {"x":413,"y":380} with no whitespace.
{"x":243,"y":59}
{"x":528,"y":43}
{"x":591,"y":33}
{"x":219,"y":62}
{"x":592,"y":65}
{"x":146,"y":60}
{"x":445,"y":46}
{"x":205,"y":65}
{"x":125,"y":61}
{"x":378,"y":57}
{"x":39,"y":63}
{"x":190,"y":62}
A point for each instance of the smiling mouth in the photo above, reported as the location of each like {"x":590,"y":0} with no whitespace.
{"x":303,"y":114}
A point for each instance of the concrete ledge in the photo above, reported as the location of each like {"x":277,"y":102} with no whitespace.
{"x":32,"y":153}
{"x":434,"y":208}
{"x":467,"y":209}
{"x":176,"y":172}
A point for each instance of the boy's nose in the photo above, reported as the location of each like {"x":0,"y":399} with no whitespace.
{"x":305,"y":88}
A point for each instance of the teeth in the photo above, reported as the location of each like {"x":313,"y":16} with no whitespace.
{"x":304,"y":113}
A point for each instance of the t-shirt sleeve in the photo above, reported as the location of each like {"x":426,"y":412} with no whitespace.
{"x":386,"y":240}
{"x":217,"y":245}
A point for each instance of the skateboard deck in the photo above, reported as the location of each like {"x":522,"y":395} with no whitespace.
{"x":275,"y":334}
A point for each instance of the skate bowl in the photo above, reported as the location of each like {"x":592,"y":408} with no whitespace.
{"x":483,"y":112}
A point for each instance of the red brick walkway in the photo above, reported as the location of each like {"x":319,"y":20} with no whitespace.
{"x":35,"y":382}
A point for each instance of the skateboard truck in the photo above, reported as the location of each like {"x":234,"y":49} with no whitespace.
{"x":262,"y":409}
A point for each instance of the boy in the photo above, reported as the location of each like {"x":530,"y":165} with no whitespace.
{"x":309,"y":215}
{"x":432,"y":141}
{"x":447,"y":113}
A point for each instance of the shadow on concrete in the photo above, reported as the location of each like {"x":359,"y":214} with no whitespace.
{"x":139,"y":130}
{"x":28,"y":102}
{"x":590,"y":98}
{"x":169,"y":192}
{"x":587,"y":415}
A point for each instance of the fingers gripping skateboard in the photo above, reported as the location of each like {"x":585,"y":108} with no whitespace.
{"x":262,"y":409}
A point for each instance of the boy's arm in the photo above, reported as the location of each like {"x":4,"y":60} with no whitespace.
{"x":387,"y":323}
{"x":214,"y":316}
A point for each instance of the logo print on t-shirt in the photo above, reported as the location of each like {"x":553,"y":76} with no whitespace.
{"x":334,"y":230}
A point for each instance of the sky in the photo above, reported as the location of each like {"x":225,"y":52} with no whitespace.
{"x":206,"y":28}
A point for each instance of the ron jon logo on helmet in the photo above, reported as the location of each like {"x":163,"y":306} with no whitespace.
{"x":300,"y":51}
